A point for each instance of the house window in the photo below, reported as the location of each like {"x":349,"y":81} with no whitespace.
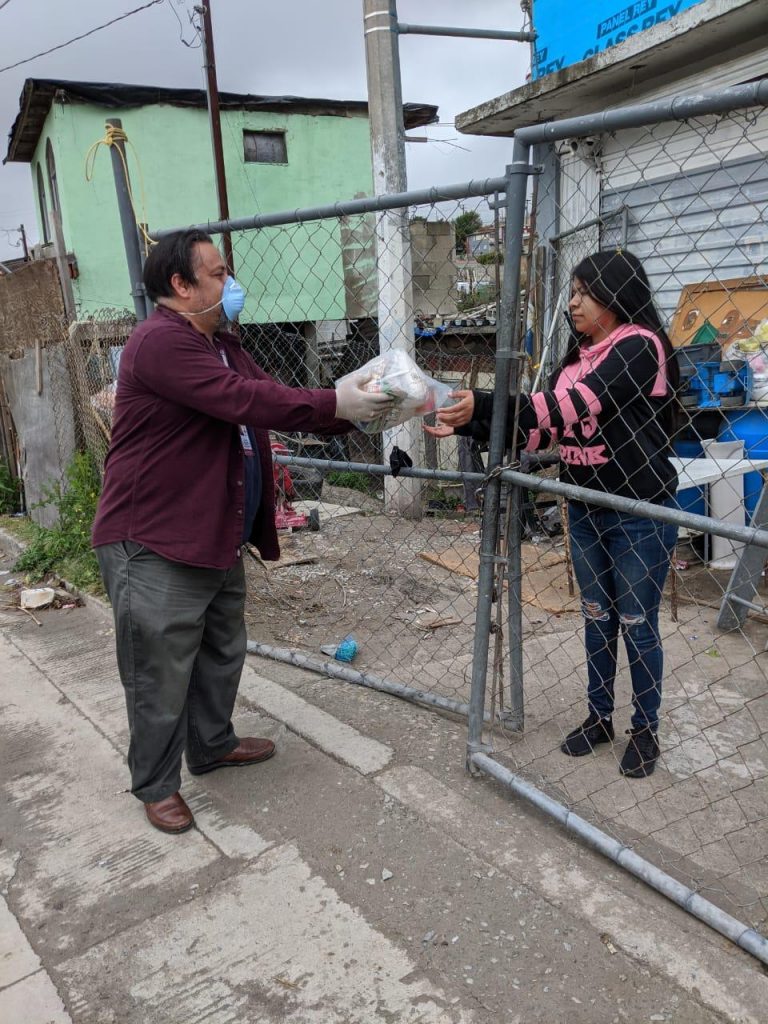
{"x":265,"y":148}
{"x":43,"y":207}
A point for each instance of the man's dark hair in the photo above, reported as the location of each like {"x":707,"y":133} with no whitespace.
{"x":173,"y":254}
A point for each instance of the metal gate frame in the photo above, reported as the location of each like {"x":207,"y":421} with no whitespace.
{"x":508,"y":354}
{"x":507,"y":475}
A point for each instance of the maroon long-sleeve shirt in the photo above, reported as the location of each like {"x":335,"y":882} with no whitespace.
{"x":173,"y":477}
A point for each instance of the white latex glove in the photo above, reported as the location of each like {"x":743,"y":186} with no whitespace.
{"x":352,"y":403}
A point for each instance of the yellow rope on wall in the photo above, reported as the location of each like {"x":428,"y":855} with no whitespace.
{"x":113,"y":135}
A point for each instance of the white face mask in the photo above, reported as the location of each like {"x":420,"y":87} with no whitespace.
{"x":232,"y":300}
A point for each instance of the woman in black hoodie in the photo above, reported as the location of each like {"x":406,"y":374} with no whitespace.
{"x":609,"y":406}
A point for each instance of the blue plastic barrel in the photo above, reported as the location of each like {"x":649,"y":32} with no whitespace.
{"x":749,"y":424}
{"x":691,"y":499}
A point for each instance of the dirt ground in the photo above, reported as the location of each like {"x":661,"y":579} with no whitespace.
{"x":363,"y":574}
{"x":406,"y":591}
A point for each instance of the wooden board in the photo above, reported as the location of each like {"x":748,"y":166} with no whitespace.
{"x":734,"y":307}
{"x":464,"y":560}
{"x":545,"y":581}
{"x":547,"y":589}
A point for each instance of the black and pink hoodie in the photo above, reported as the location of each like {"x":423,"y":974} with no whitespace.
{"x":606,"y":413}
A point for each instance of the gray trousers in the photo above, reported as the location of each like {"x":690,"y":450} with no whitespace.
{"x":180,"y":635}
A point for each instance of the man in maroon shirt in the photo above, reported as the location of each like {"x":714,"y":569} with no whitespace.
{"x":187,"y":482}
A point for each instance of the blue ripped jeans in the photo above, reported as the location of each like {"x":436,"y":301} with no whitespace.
{"x":621,"y":563}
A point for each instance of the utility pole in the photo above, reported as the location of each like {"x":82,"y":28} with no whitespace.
{"x":128,"y":221}
{"x":24,"y":245}
{"x":214,"y":117}
{"x":393,"y":260}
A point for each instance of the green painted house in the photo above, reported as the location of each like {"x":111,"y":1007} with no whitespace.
{"x":280,"y":152}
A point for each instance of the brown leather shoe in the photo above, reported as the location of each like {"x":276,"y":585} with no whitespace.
{"x":250,"y":750}
{"x":170,"y":815}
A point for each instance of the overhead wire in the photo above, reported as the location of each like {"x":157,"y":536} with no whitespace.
{"x":11,"y":231}
{"x":453,"y":145}
{"x":190,"y":46}
{"x":84,"y":35}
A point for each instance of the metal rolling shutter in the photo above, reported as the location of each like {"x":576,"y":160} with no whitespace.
{"x":696,"y":199}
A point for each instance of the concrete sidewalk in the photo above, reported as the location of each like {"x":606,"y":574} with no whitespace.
{"x":359,"y":876}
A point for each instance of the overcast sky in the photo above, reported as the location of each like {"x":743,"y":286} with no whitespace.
{"x":299,"y":47}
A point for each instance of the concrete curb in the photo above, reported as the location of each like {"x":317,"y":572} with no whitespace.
{"x":12,"y":542}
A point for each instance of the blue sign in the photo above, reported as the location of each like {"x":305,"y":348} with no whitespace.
{"x":569,"y":34}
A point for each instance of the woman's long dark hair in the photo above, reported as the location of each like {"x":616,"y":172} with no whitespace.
{"x":617,"y":280}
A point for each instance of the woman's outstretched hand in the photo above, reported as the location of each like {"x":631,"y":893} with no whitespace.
{"x":460,"y":413}
{"x":438,"y":431}
{"x":454,"y":416}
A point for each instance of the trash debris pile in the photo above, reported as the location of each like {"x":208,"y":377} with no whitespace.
{"x":51,"y":594}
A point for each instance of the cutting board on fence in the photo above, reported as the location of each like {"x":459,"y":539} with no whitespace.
{"x":545,"y":578}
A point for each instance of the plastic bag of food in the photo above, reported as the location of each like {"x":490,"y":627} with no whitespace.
{"x":761,"y":334}
{"x":415,"y":393}
{"x":753,"y":351}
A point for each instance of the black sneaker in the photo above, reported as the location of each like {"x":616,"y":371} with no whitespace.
{"x":582,"y":740}
{"x":641,"y":754}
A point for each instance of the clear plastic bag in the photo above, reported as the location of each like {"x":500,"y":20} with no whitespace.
{"x":415,"y":393}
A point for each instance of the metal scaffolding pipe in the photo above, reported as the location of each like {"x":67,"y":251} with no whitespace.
{"x":633,"y":506}
{"x":761,"y":608}
{"x":747,"y":938}
{"x":644,"y":509}
{"x":678,"y":108}
{"x":127,"y":220}
{"x":466,"y":33}
{"x":349,"y":208}
{"x":335,"y":670}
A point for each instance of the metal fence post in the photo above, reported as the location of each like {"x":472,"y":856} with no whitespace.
{"x":507,"y":331}
{"x":128,"y":222}
{"x":393,"y":239}
{"x":514,"y":718}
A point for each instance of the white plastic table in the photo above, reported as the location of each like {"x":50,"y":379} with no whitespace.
{"x":705,"y":472}
{"x":701,"y":472}
{"x":739,"y":596}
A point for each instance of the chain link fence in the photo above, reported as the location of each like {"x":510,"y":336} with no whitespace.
{"x":458,"y":578}
{"x":688,"y":196}
{"x":352,"y":563}
{"x":93,"y":347}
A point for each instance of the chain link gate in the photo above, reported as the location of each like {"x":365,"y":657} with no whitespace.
{"x":402,"y":585}
{"x":683,"y":185}
{"x":439,"y":599}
